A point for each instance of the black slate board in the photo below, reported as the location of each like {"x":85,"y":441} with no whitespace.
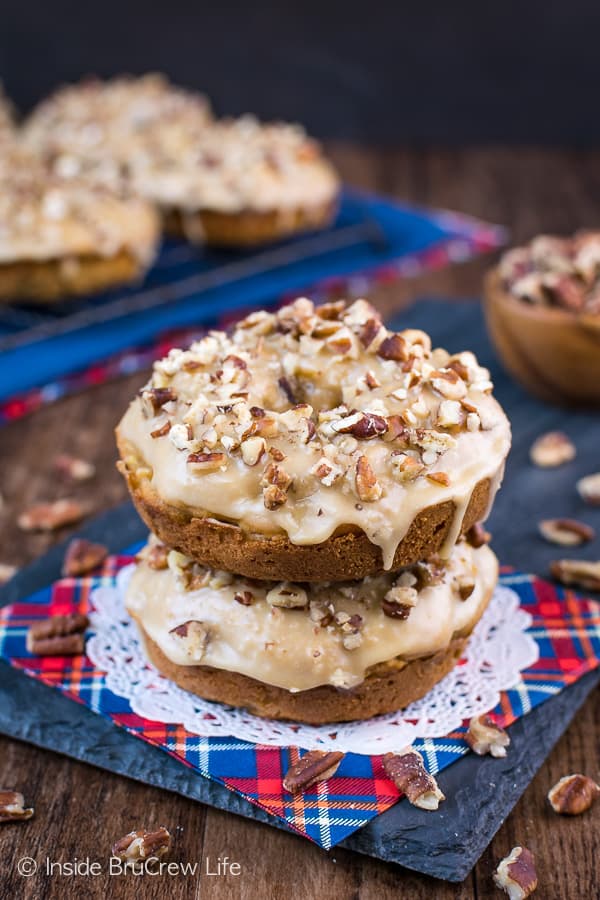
{"x":481,"y":791}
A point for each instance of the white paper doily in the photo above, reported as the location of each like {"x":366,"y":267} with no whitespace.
{"x":497,"y":651}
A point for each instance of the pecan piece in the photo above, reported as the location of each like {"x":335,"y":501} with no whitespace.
{"x":552,"y":449}
{"x":516,"y":874}
{"x":207,"y":462}
{"x":399,"y":601}
{"x":192,"y":637}
{"x":288,"y":596}
{"x":274,"y":497}
{"x":573,"y":795}
{"x":245,"y":598}
{"x":439,"y":478}
{"x":51,"y":516}
{"x":156,"y":556}
{"x":162,"y":431}
{"x":369,"y":331}
{"x":287,"y":389}
{"x":7,"y":572}
{"x":12,"y":807}
{"x":393,"y":347}
{"x":577,"y":572}
{"x":589,"y":489}
{"x":367,"y":486}
{"x":153,"y":399}
{"x":407,"y":770}
{"x":252,"y":450}
{"x":484,"y":736}
{"x":82,"y":557}
{"x":58,"y":635}
{"x":142,"y":844}
{"x":361,"y":425}
{"x":477,"y":536}
{"x":72,"y":468}
{"x":566,"y":532}
{"x":313,"y":767}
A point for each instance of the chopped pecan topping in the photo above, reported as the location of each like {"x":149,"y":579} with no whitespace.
{"x":274,"y":497}
{"x":288,"y":596}
{"x":74,"y":469}
{"x":369,"y":331}
{"x":162,"y":431}
{"x":477,"y":536}
{"x":313,"y":767}
{"x":277,"y":475}
{"x":552,"y":449}
{"x":367,"y":486}
{"x":82,"y":557}
{"x":156,"y":556}
{"x":276,"y":454}
{"x":287,"y":389}
{"x":465,"y":585}
{"x":567,"y":532}
{"x":485,"y":736}
{"x":253,"y":450}
{"x":573,"y":795}
{"x":155,"y":398}
{"x":207,"y":462}
{"x":245,"y":598}
{"x":439,"y":478}
{"x":589,"y":489}
{"x":516,"y":874}
{"x":407,"y":770}
{"x":12,"y":807}
{"x":51,"y":516}
{"x":361,"y":425}
{"x":142,"y":844}
{"x":192,"y":637}
{"x":58,"y":635}
{"x":577,"y":572}
{"x":393,"y":347}
{"x":399,"y":601}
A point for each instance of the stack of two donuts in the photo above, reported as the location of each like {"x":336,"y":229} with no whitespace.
{"x":314,"y":484}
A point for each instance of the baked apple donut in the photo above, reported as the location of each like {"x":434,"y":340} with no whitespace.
{"x":313,"y":653}
{"x":66,"y":236}
{"x":313,"y":444}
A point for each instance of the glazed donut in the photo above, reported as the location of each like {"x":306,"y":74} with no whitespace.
{"x":313,"y":653}
{"x":313,"y":444}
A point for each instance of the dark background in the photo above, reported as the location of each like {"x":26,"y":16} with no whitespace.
{"x":375,"y":71}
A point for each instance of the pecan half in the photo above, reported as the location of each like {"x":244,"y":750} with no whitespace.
{"x":552,"y":449}
{"x":407,"y":770}
{"x":143,"y":844}
{"x":516,"y":874}
{"x":12,"y":807}
{"x":589,"y":489}
{"x":577,"y":572}
{"x":367,"y":486}
{"x":314,"y":766}
{"x":82,"y":557}
{"x":192,"y":637}
{"x":573,"y":795}
{"x":484,"y":736}
{"x":72,"y":468}
{"x":51,"y":516}
{"x":566,"y":532}
{"x":477,"y":536}
{"x":58,"y":635}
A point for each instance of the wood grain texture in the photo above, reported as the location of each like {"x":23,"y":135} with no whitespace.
{"x":80,"y":811}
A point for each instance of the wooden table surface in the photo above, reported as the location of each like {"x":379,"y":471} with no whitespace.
{"x":80,"y":811}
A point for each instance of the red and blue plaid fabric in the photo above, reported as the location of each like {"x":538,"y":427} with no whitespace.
{"x":565,"y":626}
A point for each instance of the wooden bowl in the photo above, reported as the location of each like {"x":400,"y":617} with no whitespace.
{"x":553,"y":353}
